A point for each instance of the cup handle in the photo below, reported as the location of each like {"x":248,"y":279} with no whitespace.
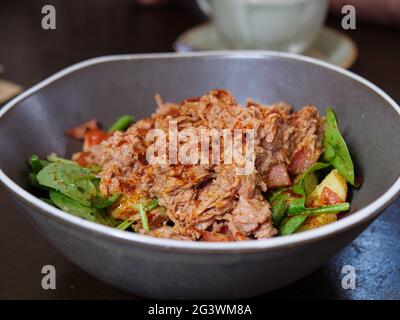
{"x":205,"y":7}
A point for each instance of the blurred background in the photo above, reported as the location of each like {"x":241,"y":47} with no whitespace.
{"x":91,"y":28}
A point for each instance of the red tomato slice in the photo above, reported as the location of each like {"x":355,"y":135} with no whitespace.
{"x":94,"y":137}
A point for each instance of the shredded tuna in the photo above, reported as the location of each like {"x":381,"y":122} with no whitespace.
{"x":210,"y":202}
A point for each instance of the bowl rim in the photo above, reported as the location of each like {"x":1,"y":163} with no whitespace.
{"x":355,"y":219}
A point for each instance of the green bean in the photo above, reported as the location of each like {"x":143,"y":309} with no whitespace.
{"x":336,"y":151}
{"x":329,"y":209}
{"x":292,"y":223}
{"x":121,"y":124}
{"x":101,"y":202}
{"x":125,"y":224}
{"x":152,"y":204}
{"x":143,"y":217}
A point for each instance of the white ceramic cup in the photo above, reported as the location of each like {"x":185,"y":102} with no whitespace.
{"x":283,"y":25}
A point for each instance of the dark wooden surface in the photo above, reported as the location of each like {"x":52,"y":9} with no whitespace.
{"x":86,"y":29}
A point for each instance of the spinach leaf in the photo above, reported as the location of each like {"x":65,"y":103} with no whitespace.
{"x":101,"y":217}
{"x":71,"y":180}
{"x":75,"y":208}
{"x":48,"y":201}
{"x":52,"y":157}
{"x":33,"y":181}
{"x":310,"y":183}
{"x":71,"y":206}
{"x":72,"y":188}
{"x":336,"y":151}
{"x":95,"y":168}
{"x":278,"y":207}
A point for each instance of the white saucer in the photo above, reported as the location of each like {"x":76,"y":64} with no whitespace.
{"x":330,"y":45}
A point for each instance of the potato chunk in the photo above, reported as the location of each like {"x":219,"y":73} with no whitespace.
{"x":317,"y":221}
{"x":331,"y":190}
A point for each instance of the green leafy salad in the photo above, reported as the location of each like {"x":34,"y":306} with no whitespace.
{"x":315,"y":198}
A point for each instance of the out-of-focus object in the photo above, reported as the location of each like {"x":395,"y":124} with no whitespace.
{"x":8,"y":90}
{"x":284,"y":25}
{"x":152,"y":3}
{"x":381,"y":11}
{"x":330,"y":45}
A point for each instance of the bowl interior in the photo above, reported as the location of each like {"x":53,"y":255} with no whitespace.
{"x":37,"y":124}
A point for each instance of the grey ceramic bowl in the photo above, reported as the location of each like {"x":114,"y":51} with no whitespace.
{"x":107,"y":87}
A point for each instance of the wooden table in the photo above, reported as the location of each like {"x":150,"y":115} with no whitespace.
{"x":91,"y":28}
